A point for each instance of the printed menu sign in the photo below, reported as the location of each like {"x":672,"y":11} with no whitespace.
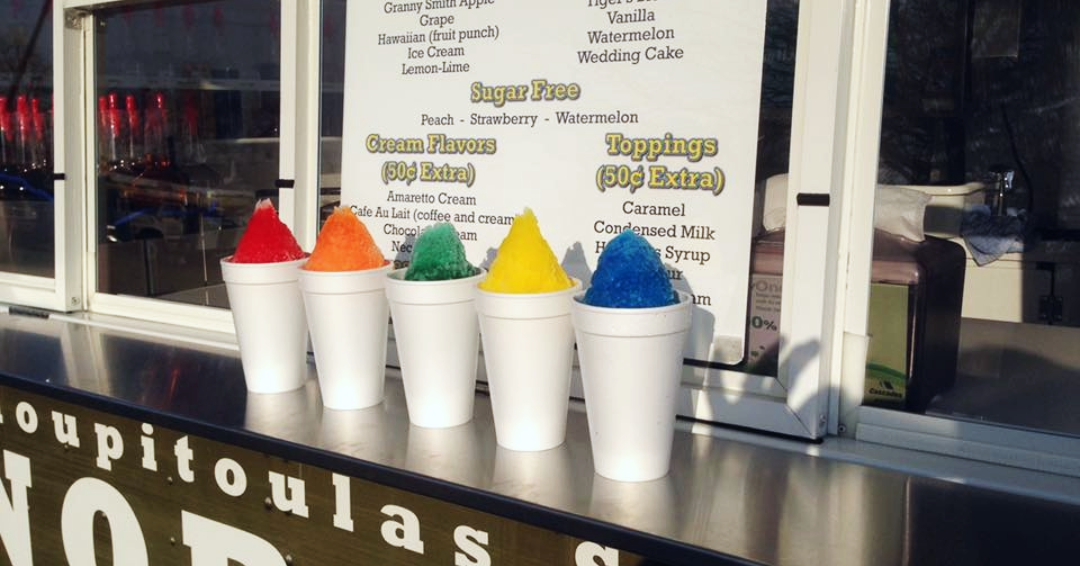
{"x":600,"y":115}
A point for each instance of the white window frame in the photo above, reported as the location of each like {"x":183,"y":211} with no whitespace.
{"x":298,"y":157}
{"x":998,"y":444}
{"x":797,"y":402}
{"x":63,"y":291}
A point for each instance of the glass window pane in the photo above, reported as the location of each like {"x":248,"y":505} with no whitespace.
{"x":980,"y":137}
{"x":333,"y":104}
{"x":26,"y":141}
{"x":187,"y":140}
{"x":773,"y":156}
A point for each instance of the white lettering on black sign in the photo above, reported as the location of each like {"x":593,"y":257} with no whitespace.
{"x":86,"y":499}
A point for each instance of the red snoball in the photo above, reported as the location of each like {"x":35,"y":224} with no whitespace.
{"x":266,"y":239}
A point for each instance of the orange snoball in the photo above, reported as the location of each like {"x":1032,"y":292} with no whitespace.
{"x":344,"y":244}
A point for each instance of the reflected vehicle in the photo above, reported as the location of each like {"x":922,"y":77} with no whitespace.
{"x":171,"y":205}
{"x":148,"y":201}
{"x":163,"y":228}
{"x":187,"y":135}
{"x":26,"y":221}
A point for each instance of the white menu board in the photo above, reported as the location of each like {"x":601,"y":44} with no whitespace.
{"x":600,"y":115}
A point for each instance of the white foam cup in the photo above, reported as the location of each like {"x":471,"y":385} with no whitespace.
{"x":437,"y":338}
{"x":347,"y":316}
{"x":528,"y":353}
{"x":268,"y":313}
{"x":631,"y":363}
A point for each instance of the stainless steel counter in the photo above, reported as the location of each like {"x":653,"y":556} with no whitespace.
{"x":725,"y":501}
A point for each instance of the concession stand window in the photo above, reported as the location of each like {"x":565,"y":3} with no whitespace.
{"x":556,"y":130}
{"x":40,"y":202}
{"x":187,"y":113}
{"x":185,"y":105}
{"x":195,"y":111}
{"x":753,"y":144}
{"x":971,"y":307}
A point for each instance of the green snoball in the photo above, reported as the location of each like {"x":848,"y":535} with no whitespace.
{"x":438,"y":255}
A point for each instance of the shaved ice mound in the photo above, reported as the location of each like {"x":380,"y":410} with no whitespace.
{"x":438,"y":255}
{"x":525,"y":262}
{"x":345,"y":244}
{"x":629,"y":274}
{"x":266,"y":239}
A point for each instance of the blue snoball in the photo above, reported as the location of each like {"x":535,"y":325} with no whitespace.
{"x":629,"y":274}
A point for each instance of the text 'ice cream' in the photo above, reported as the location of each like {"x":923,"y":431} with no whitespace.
{"x":266,"y":239}
{"x":438,"y":255}
{"x":629,"y":274}
{"x":344,"y":244}
{"x":524,"y":262}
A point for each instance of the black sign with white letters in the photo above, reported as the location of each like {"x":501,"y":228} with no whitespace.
{"x":80,"y":486}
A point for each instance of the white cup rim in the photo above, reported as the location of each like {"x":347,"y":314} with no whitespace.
{"x":579,"y":303}
{"x":629,"y":322}
{"x":251,"y":265}
{"x":573,"y":289}
{"x":343,"y":282}
{"x":386,"y":266}
{"x":526,"y":305}
{"x":398,"y":276}
{"x":446,"y":291}
{"x":261,"y":273}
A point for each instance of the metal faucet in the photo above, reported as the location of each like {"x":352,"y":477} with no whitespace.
{"x":1001,"y":179}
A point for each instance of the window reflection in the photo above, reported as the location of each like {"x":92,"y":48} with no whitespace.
{"x":26,"y":168}
{"x":188,"y":106}
{"x":979,"y":124}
